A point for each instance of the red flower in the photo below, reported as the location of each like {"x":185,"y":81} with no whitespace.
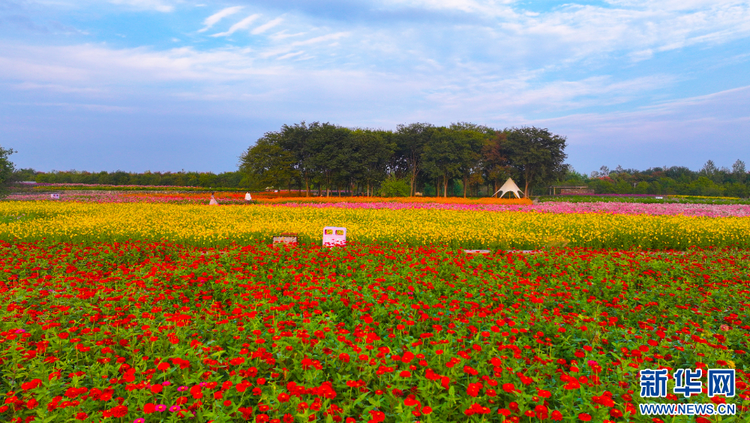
{"x":584,"y":417}
{"x":119,"y":411}
{"x":195,"y":391}
{"x":541,"y":412}
{"x":378,"y":416}
{"x":615,"y":413}
{"x":31,"y":385}
{"x":557,"y":416}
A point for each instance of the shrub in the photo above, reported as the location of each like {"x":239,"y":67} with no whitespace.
{"x":393,"y":187}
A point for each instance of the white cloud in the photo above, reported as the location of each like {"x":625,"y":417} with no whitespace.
{"x":290,"y":55}
{"x":283,"y":34}
{"x":27,"y":86}
{"x":291,"y":46}
{"x":158,"y":5}
{"x":243,"y":24}
{"x":266,"y":26}
{"x":74,"y":106}
{"x":485,"y":7}
{"x":216,"y":17}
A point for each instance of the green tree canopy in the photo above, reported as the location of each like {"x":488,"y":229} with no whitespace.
{"x":6,"y":170}
{"x":267,"y":164}
{"x":536,"y":155}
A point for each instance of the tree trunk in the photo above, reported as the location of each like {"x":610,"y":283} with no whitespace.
{"x":307,"y":186}
{"x":526,"y":191}
{"x":445,"y":186}
{"x":413,"y":181}
{"x":464,"y":187}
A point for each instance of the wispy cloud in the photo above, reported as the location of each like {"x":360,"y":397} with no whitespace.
{"x":74,"y":106}
{"x":55,"y":88}
{"x":158,"y":5}
{"x":243,"y":24}
{"x":291,"y":46}
{"x":266,"y":26}
{"x":284,"y":34}
{"x":216,"y":17}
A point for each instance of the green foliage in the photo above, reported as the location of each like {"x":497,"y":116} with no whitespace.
{"x":266,"y":164}
{"x":6,"y":170}
{"x":166,"y":179}
{"x":393,"y":187}
{"x":410,"y":142}
{"x":710,"y":181}
{"x":536,"y":156}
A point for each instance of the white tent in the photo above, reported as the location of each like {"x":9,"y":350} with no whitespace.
{"x":509,"y":186}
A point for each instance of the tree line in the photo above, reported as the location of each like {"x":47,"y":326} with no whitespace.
{"x":710,"y":180}
{"x":426,"y":157}
{"x":182,"y":179}
{"x":472,"y":159}
{"x":461,"y":159}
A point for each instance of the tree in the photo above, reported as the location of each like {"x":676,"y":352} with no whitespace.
{"x":536,"y":155}
{"x":6,"y":170}
{"x":27,"y":174}
{"x":468,"y":139}
{"x":372,"y":150}
{"x":410,"y":144}
{"x":442,"y":157}
{"x":331,"y":152}
{"x":495,"y":161}
{"x":709,"y":169}
{"x":266,"y":163}
{"x":739,"y":174}
{"x":296,"y":140}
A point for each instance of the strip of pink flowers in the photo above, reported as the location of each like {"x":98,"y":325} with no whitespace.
{"x":705,"y":210}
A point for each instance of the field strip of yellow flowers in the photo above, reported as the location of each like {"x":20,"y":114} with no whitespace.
{"x":205,"y":226}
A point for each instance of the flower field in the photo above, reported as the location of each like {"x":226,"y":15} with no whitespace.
{"x":162,"y":309}
{"x":204,"y":226}
{"x":452,"y":203}
{"x":157,"y":332}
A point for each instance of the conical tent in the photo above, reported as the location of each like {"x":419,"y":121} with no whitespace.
{"x":509,"y":186}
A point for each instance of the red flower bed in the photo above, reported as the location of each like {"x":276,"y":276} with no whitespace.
{"x":155,"y":332}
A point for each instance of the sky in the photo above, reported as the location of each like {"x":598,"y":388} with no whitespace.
{"x":171,"y":85}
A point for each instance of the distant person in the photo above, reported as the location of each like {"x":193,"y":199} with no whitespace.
{"x":213,"y":201}
{"x":248,"y":198}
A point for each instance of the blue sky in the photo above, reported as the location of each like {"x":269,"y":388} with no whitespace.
{"x":167,"y":85}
